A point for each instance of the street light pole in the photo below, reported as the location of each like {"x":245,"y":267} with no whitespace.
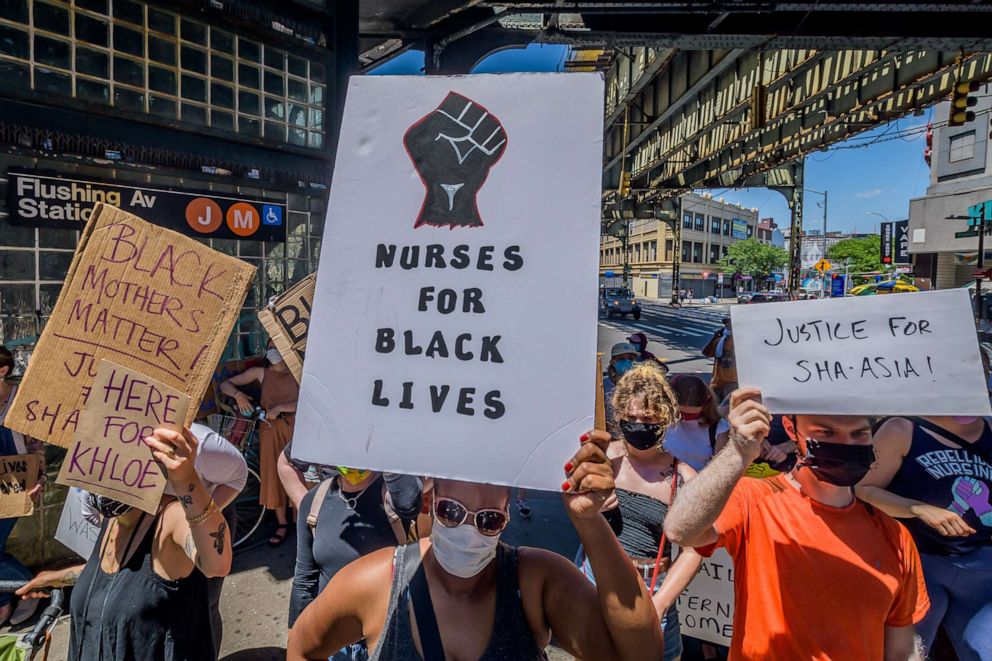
{"x":822,"y":274}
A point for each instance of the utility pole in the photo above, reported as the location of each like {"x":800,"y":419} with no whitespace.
{"x":822,"y":274}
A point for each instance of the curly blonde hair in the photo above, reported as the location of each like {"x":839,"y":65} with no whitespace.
{"x":646,"y":383}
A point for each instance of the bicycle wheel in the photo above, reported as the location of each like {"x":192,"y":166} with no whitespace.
{"x":248,"y":512}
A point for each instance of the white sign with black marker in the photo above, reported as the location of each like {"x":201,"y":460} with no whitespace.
{"x":453,"y":327}
{"x":897,"y":354}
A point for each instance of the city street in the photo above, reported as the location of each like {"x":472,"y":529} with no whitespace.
{"x":677,"y":336}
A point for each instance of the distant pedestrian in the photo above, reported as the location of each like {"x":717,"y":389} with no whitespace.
{"x":692,"y":295}
{"x":721,"y":349}
{"x":701,"y":431}
{"x":681,"y":296}
{"x":622,"y":358}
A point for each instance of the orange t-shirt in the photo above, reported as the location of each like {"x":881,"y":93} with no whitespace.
{"x":813,"y":581}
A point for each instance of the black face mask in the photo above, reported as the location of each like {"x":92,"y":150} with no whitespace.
{"x":838,"y":463}
{"x":641,"y":435}
{"x":107,"y":507}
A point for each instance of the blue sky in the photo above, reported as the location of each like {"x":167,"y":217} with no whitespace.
{"x":862,"y":180}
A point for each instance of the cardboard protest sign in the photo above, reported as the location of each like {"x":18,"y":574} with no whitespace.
{"x":108,"y":455}
{"x":455,"y":310}
{"x":74,"y":531}
{"x":142,"y":296}
{"x":706,"y":606}
{"x":900,"y":354}
{"x":287,"y":321}
{"x":18,"y":475}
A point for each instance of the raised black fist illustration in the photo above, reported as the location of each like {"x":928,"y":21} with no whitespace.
{"x":453,"y":147}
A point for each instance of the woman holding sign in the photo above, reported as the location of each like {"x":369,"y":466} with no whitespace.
{"x":936,"y":474}
{"x":279,"y":394}
{"x":464,"y":595}
{"x":139,"y":596}
{"x":647,"y":478}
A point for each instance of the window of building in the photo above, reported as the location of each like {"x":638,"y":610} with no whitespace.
{"x":726,"y":226}
{"x":142,"y":59}
{"x":700,"y":225}
{"x":686,"y":250}
{"x":714,"y":253}
{"x":687,"y":221}
{"x":962,"y":147}
{"x":714,"y":225}
{"x":723,"y":251}
{"x":637,"y":253}
{"x":750,"y":231}
{"x":697,"y":253}
{"x":653,"y":251}
{"x":668,"y":249}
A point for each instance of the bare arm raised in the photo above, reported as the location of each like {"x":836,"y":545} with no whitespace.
{"x":691,"y":518}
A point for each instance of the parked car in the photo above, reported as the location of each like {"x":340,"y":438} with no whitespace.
{"x":744,"y":298}
{"x":619,"y":301}
{"x":767,"y":297}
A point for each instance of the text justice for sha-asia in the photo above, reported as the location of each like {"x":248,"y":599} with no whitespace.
{"x":445,"y":301}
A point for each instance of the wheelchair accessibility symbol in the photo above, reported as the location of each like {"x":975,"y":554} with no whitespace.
{"x":271,"y":215}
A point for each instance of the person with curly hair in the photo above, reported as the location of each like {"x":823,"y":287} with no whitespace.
{"x":647,"y":479}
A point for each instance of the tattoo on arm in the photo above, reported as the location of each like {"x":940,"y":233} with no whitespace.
{"x":186,"y":501}
{"x":69,"y":578}
{"x":219,"y":537}
{"x":189,"y":547}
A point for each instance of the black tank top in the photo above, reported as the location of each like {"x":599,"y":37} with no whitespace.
{"x":953,"y":478}
{"x":136,"y":615}
{"x":638,"y":521}
{"x":511,"y":638}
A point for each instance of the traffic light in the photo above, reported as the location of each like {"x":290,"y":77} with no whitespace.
{"x":625,"y":184}
{"x":961,"y":100}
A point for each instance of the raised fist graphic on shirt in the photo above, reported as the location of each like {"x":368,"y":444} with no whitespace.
{"x":453,"y":148}
{"x":973,"y":494}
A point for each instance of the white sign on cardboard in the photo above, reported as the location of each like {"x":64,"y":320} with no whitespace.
{"x":453,"y":328}
{"x":74,"y":531}
{"x":897,"y":354}
{"x":706,"y":606}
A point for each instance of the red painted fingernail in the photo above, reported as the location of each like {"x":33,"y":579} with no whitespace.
{"x":584,"y":438}
{"x":568,"y":467}
{"x":566,"y":485}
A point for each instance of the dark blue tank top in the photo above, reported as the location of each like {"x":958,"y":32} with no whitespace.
{"x":954,"y":478}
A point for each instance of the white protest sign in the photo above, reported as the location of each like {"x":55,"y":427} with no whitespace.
{"x":898,"y":354}
{"x":74,"y":531}
{"x":706,"y":606}
{"x":453,"y":329}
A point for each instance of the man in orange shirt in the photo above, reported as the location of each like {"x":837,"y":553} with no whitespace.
{"x":818,"y":574}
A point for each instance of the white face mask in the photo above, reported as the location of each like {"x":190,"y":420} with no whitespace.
{"x":273,"y":356}
{"x":462,"y":551}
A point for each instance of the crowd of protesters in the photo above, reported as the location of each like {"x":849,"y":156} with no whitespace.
{"x":859,"y":539}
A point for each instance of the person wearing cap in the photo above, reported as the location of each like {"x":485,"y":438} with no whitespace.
{"x":622,"y":357}
{"x":721,"y":349}
{"x":820,"y":574}
{"x":640,"y":342}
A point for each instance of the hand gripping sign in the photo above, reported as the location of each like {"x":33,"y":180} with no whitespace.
{"x":454,"y":317}
{"x":108,"y":455}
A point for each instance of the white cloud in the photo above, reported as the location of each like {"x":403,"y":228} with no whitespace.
{"x":874,"y":192}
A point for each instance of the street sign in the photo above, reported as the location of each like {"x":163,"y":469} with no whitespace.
{"x":837,"y":288}
{"x":981,"y":273}
{"x":823,"y":265}
{"x":706,"y":274}
{"x":887,"y":242}
{"x":901,"y":240}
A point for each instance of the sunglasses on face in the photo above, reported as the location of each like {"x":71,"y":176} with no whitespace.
{"x":451,"y":514}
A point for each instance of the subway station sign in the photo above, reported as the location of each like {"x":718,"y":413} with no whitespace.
{"x":42,"y":200}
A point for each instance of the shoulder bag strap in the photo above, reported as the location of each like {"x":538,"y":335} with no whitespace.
{"x":661,"y":544}
{"x":423,"y":612}
{"x":403,"y":536}
{"x":318,"y":500}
